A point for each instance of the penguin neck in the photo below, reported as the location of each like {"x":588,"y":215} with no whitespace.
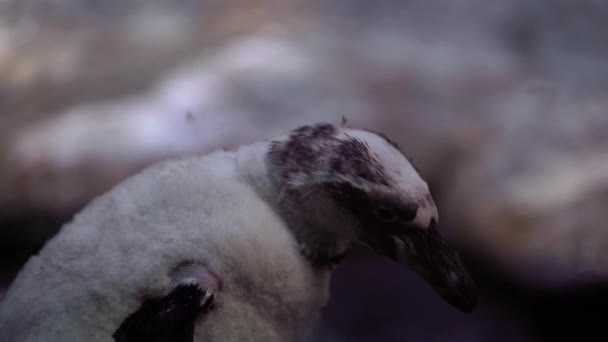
{"x":306,"y":218}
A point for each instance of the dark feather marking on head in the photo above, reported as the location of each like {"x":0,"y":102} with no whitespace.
{"x":316,"y":158}
{"x":316,"y":148}
{"x":300,"y":154}
{"x":355,"y":158}
{"x":321,"y":130}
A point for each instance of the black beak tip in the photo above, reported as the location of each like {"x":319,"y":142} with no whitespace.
{"x":464,"y":299}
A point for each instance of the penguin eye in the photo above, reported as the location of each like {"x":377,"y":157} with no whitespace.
{"x":385,"y":214}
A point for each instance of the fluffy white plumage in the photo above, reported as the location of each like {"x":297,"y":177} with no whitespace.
{"x":222,"y":210}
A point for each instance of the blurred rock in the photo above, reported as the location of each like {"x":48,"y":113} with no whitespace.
{"x":534,"y":197}
{"x":55,"y":54}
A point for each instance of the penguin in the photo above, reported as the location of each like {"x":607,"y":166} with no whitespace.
{"x":234,"y":245}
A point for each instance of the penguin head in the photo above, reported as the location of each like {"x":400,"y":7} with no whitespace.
{"x":347,"y":185}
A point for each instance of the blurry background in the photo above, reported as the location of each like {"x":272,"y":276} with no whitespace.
{"x":501,"y":104}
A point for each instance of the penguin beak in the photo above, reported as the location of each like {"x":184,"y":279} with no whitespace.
{"x":427,"y":253}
